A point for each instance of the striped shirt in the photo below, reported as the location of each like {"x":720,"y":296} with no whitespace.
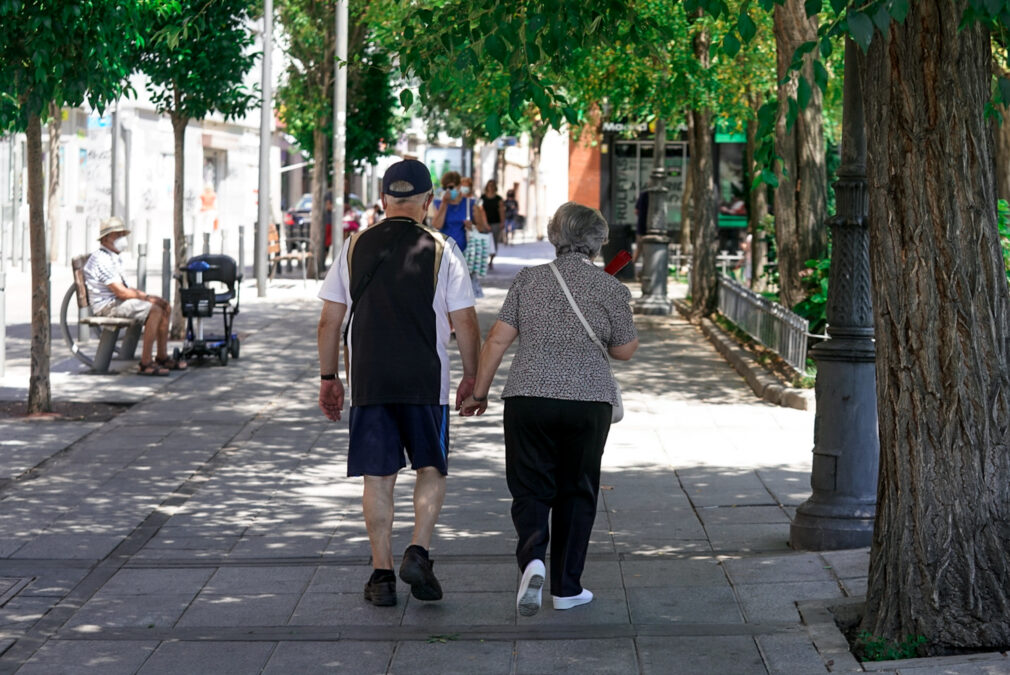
{"x":104,"y":267}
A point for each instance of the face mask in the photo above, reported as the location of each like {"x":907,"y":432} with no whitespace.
{"x":453,"y":193}
{"x":465,"y":190}
{"x":120,"y":243}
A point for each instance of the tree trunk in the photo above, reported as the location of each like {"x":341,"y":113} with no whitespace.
{"x":179,"y":123}
{"x":687,"y":202}
{"x":536,"y":141}
{"x":801,"y":198}
{"x":938,"y":563}
{"x":704,"y":240}
{"x":316,"y":230}
{"x":1001,"y":132}
{"x":757,"y":208}
{"x":39,"y":393}
{"x":53,"y":210}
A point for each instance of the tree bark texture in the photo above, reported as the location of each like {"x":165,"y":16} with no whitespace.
{"x":536,"y":141}
{"x":179,"y":123}
{"x":39,"y":393}
{"x":801,"y":197}
{"x":704,"y":240}
{"x":757,"y":209}
{"x":53,"y":196}
{"x":939,"y":566}
{"x":320,"y":153}
{"x":1001,"y":132}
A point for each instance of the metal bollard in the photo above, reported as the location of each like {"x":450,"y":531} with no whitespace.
{"x":241,"y":250}
{"x":206,"y":243}
{"x":166,"y":269}
{"x":142,"y":267}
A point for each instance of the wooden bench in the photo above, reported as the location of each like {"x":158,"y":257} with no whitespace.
{"x":301,"y":253}
{"x":108,"y":328}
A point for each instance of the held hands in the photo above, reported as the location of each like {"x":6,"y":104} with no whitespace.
{"x":464,"y":390}
{"x":470,"y":407}
{"x":331,"y":398}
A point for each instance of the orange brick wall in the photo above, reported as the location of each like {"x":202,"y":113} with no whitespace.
{"x":584,"y":172}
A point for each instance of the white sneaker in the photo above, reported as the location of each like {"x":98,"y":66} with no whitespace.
{"x":530,"y":588}
{"x":586,"y":596}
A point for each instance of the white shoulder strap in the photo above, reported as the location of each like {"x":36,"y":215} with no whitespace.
{"x":578,"y":312}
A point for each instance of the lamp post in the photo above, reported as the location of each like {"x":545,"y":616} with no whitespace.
{"x":841,"y":510}
{"x":656,"y":242}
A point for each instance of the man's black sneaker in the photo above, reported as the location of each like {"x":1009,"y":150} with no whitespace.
{"x":416,"y":571}
{"x":381,"y":589}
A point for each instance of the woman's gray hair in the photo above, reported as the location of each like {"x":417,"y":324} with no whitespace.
{"x":577,"y":228}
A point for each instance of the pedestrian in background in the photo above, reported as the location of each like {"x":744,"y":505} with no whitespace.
{"x":494,"y":210}
{"x":398,"y":282}
{"x":454,"y":209}
{"x":558,"y":401}
{"x":511,"y":216}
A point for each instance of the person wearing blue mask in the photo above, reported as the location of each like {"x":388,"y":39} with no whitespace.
{"x":454,"y":211}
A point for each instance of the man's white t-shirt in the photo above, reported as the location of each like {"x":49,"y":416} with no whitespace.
{"x":396,"y":344}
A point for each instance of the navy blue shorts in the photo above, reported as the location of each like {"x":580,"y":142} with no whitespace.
{"x":380,"y":434}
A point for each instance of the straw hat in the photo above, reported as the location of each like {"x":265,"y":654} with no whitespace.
{"x":110,"y":225}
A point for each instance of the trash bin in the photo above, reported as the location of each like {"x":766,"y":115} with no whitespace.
{"x":621,"y":238}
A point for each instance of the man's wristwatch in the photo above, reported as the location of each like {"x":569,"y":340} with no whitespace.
{"x":328,"y":376}
{"x":479,"y":399}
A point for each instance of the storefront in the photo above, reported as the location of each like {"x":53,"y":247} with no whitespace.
{"x":626,"y":163}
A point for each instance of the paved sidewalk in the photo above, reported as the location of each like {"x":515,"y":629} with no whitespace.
{"x":209,"y":528}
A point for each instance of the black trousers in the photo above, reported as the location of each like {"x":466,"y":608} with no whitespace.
{"x":553,"y":450}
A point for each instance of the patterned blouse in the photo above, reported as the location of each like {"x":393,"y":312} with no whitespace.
{"x":556,"y":358}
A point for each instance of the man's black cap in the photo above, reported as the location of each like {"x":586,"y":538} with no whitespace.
{"x":406,"y":178}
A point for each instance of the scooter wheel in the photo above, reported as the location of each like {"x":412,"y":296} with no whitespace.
{"x":176,"y":354}
{"x":234,"y":348}
{"x":222,"y":355}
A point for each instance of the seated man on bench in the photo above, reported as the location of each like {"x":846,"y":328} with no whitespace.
{"x":109,"y":295}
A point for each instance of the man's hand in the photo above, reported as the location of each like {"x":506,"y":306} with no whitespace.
{"x":471,"y":407}
{"x":464,"y":390}
{"x":331,"y":398}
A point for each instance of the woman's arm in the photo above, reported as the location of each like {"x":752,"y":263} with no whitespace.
{"x":438,"y":222}
{"x":624,"y":352}
{"x":501,"y":211}
{"x":498,"y":340}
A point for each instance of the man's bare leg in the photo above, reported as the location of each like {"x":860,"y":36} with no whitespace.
{"x":429,"y":493}
{"x":163,"y":335}
{"x":377,"y":504}
{"x":151,"y":326}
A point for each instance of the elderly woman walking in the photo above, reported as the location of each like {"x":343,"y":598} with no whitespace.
{"x":559,"y":400}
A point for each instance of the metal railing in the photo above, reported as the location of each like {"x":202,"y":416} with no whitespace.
{"x":771,"y":324}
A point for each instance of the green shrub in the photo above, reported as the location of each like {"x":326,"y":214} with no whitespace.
{"x":872,"y":648}
{"x":815,"y":307}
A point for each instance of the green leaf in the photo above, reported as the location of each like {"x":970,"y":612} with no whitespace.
{"x":825,"y":47}
{"x":812,"y":7}
{"x":408,"y":32}
{"x":496,"y":47}
{"x":768,"y":177}
{"x":898,"y":9}
{"x":821,"y":76}
{"x":803,"y":93}
{"x":860,"y":28}
{"x":406,"y":98}
{"x":882,"y":19}
{"x":493,"y":125}
{"x":746,"y":27}
{"x":730,"y":45}
{"x":1003,"y":84}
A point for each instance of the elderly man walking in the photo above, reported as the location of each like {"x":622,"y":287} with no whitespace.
{"x":110,"y":296}
{"x":399,"y":283}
